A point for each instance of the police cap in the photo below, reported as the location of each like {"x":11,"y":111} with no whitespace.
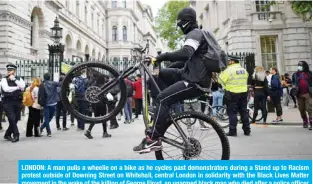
{"x":233,"y":58}
{"x":11,"y":66}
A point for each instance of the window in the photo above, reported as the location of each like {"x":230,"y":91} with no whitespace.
{"x":77,"y":9}
{"x":262,"y":6}
{"x":114,"y":4}
{"x":124,"y":3}
{"x":103,"y":30}
{"x":92,"y":21}
{"x":114,"y":33}
{"x":86,"y":14}
{"x":31,"y":31}
{"x":269,"y":51}
{"x":98,"y":26}
{"x":67,"y":4}
{"x":124,"y":33}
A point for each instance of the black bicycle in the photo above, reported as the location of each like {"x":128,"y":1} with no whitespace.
{"x":188,"y":145}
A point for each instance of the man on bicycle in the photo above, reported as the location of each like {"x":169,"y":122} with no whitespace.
{"x":179,"y":84}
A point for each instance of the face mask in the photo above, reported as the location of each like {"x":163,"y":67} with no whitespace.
{"x":300,"y":68}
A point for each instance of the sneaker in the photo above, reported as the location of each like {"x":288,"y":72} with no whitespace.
{"x":106,"y":135}
{"x":72,"y":124}
{"x":88,"y":134}
{"x":49,"y":135}
{"x":65,"y":129}
{"x":276,"y":121}
{"x":147,"y":145}
{"x":59,"y":129}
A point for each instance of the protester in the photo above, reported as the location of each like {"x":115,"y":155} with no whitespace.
{"x":60,"y":110}
{"x":138,"y":95}
{"x":128,"y":105}
{"x":276,"y":92}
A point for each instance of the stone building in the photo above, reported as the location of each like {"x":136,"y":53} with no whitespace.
{"x":102,"y":29}
{"x":275,"y":34}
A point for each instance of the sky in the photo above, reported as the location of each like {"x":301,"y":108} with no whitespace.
{"x":155,"y":5}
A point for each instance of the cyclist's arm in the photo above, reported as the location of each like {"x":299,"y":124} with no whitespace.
{"x":191,"y":44}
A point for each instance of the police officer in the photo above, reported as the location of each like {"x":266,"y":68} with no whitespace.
{"x":12,"y":89}
{"x":234,"y":80}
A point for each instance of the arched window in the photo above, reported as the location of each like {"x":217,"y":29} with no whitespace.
{"x":124,"y":33}
{"x":114,"y":4}
{"x":114,"y":33}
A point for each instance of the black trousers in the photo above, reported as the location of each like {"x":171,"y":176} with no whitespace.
{"x":113,"y":121}
{"x":176,"y":90}
{"x":277,"y":104}
{"x":138,"y":106}
{"x":1,"y":113}
{"x":237,"y":102}
{"x":99,"y":110}
{"x":61,"y":110}
{"x":12,"y":109}
{"x":33,"y":122}
{"x":259,"y":104}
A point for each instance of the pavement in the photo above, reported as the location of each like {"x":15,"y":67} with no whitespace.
{"x":271,"y":142}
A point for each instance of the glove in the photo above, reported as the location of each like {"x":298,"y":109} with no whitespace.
{"x":110,"y":97}
{"x":150,"y":59}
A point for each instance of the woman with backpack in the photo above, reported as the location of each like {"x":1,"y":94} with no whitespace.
{"x":276,"y":92}
{"x":100,"y":109}
{"x":31,"y":101}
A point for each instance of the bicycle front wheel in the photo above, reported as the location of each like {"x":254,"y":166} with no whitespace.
{"x":203,"y":147}
{"x":90,"y":107}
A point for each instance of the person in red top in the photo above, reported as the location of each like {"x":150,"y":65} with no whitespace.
{"x":138,"y":95}
{"x":302,"y":80}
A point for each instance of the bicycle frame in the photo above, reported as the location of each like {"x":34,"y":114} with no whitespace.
{"x":144,"y":72}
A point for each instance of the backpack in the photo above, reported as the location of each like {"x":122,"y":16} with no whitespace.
{"x":215,"y":59}
{"x":42,"y":95}
{"x":130,"y":89}
{"x":28,"y":97}
{"x":80,"y":85}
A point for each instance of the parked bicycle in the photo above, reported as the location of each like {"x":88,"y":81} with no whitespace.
{"x":189,"y":146}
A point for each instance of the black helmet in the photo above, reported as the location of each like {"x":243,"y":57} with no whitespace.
{"x":187,"y":20}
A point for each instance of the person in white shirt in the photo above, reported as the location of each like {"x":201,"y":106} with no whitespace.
{"x":268,"y":77}
{"x":11,"y":92}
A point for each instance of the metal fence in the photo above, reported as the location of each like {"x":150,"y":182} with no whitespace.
{"x":37,"y":68}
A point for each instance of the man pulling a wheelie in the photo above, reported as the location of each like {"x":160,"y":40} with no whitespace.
{"x":179,"y":84}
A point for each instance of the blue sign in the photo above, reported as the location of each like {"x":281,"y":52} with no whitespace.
{"x":164,"y":172}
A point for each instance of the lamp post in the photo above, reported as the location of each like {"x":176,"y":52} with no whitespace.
{"x":56,"y":50}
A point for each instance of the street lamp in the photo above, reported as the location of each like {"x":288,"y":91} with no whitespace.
{"x":56,"y":31}
{"x":56,"y":51}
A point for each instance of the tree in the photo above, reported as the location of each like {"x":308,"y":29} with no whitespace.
{"x":301,"y":8}
{"x":166,"y":22}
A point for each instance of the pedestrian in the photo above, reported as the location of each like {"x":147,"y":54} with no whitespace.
{"x":111,"y":102}
{"x":60,"y":110}
{"x":138,"y":95}
{"x":48,"y":97}
{"x":261,"y":92}
{"x":302,"y":83}
{"x":100,"y":109}
{"x":234,"y":80}
{"x":276,"y":92}
{"x":217,"y":93}
{"x":1,"y":109}
{"x":128,"y":105}
{"x":290,"y":92}
{"x":33,"y":122}
{"x":81,"y":84}
{"x":12,"y":88}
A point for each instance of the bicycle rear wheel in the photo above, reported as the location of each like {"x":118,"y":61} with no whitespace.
{"x":198,"y":147}
{"x":90,"y":104}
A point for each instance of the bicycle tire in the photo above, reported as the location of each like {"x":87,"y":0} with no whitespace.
{"x":216,"y":126}
{"x":119,"y":106}
{"x":259,"y":116}
{"x":218,"y":108}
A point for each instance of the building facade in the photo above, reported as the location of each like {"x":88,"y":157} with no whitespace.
{"x":101,"y":29}
{"x":277,"y":36}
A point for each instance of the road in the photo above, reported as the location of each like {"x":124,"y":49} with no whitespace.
{"x":272,"y":142}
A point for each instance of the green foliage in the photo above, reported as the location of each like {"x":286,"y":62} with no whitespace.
{"x":166,"y":22}
{"x":301,"y":8}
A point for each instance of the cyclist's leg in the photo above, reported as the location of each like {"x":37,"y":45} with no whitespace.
{"x":165,"y":99}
